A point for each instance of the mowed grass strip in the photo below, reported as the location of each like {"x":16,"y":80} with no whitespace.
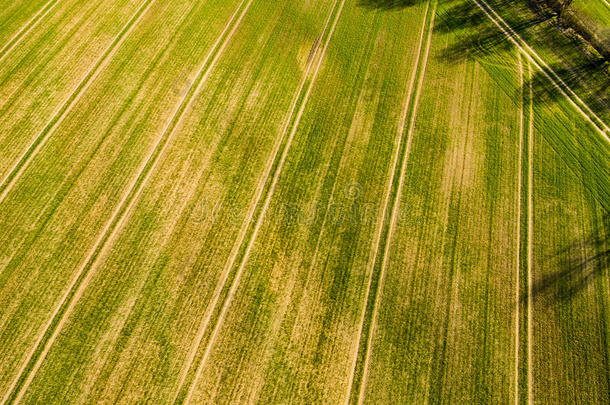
{"x":289,"y":330}
{"x":42,"y":77}
{"x":445,"y":324}
{"x":61,"y":205}
{"x":18,"y":18}
{"x":127,"y":300}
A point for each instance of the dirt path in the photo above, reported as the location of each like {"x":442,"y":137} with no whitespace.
{"x":548,"y":72}
{"x":293,"y":125}
{"x":110,"y":231}
{"x":408,"y":117}
{"x":29,"y":26}
{"x":24,"y":161}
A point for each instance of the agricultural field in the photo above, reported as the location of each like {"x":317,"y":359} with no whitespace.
{"x":597,"y":10}
{"x":322,"y":201}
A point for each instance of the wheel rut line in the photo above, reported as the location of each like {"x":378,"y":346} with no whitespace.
{"x":15,"y":172}
{"x":58,"y":197}
{"x":340,"y":165}
{"x":28,"y":26}
{"x":275,"y":169}
{"x":243,"y":232}
{"x":530,"y":247}
{"x":384,"y":234}
{"x":519,"y":216}
{"x":557,"y":82}
{"x":83,"y":276}
{"x":11,"y":97}
{"x":527,"y":185}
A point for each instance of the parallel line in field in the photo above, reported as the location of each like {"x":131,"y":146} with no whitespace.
{"x":607,"y":3}
{"x":525,"y":151}
{"x":83,"y":276}
{"x":383,"y":241}
{"x":29,"y":26}
{"x":243,"y":232}
{"x":530,"y":248}
{"x":42,"y":63}
{"x":26,"y":158}
{"x":71,"y":181}
{"x":332,"y":171}
{"x":582,"y":107}
{"x":518,"y":233}
{"x":274,"y":169}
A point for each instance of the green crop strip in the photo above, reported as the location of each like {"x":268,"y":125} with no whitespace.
{"x":376,"y":278}
{"x":54,"y":326}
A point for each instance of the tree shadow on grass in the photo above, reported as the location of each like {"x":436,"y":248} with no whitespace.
{"x":477,"y":35}
{"x":480,"y":39}
{"x":596,"y":91}
{"x":578,"y":265}
{"x":388,"y":5}
{"x":485,"y":42}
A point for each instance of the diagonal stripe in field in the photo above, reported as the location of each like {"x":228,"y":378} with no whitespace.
{"x":29,"y":26}
{"x":23,"y":162}
{"x":83,"y":275}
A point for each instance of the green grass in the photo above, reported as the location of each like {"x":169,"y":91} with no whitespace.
{"x":45,"y":68}
{"x":300,"y":300}
{"x":214,"y":224}
{"x":213,"y":133}
{"x":450,"y":277}
{"x":570,"y":317}
{"x":597,"y":10}
{"x":61,"y":204}
{"x":18,"y":14}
